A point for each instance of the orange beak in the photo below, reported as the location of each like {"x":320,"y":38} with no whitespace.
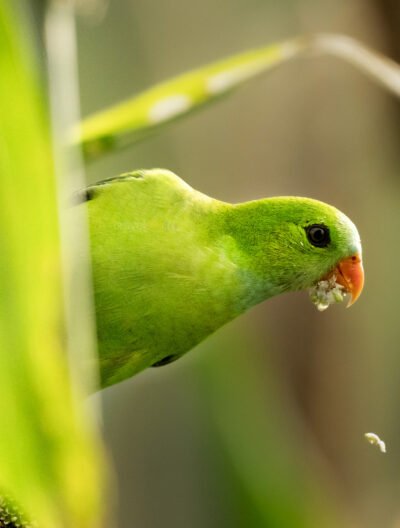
{"x":350,"y":274}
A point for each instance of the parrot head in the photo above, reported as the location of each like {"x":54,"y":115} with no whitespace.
{"x":299,"y":243}
{"x":318,"y":244}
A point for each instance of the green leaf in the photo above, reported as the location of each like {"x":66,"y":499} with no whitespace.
{"x":50,"y":460}
{"x":136,"y":118}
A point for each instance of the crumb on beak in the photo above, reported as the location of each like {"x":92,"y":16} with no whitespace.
{"x":327,"y":292}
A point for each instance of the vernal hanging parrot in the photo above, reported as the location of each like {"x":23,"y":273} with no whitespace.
{"x":171,"y":265}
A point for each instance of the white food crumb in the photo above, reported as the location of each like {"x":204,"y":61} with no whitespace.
{"x":326,"y":292}
{"x":374,"y":439}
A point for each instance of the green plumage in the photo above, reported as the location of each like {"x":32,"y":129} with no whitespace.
{"x":171,"y":265}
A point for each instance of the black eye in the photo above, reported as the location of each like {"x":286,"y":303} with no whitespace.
{"x":318,"y":235}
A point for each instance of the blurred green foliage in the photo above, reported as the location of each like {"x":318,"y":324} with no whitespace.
{"x":137,"y":118}
{"x":140,"y":116}
{"x":49,"y":455}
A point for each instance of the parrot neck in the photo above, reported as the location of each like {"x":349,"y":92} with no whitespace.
{"x":246,"y":228}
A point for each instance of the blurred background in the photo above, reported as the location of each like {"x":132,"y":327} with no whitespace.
{"x":262,"y":424}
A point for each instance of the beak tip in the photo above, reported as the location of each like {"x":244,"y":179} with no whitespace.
{"x":351,"y":302}
{"x":352,"y":273}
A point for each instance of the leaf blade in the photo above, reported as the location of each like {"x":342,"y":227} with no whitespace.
{"x":137,"y":118}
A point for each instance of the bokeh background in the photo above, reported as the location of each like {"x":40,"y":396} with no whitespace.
{"x":262,"y":424}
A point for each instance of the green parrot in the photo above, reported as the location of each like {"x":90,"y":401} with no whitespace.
{"x":172,"y":265}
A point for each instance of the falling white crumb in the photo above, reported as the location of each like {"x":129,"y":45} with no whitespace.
{"x":326,"y":292}
{"x":374,"y":439}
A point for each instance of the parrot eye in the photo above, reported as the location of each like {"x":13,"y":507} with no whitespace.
{"x":318,"y":235}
